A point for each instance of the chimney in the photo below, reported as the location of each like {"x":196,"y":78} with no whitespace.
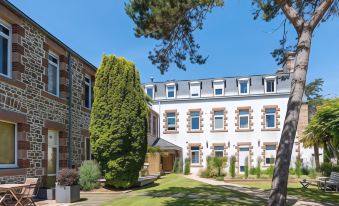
{"x":289,"y":62}
{"x":152,"y":79}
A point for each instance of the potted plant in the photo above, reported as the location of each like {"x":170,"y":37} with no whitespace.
{"x":67,"y":187}
{"x":47,"y":191}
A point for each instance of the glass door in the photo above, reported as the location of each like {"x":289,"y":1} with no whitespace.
{"x":53,"y":153}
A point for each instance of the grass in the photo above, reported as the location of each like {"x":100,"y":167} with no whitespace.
{"x":311,"y":193}
{"x":177,"y":184}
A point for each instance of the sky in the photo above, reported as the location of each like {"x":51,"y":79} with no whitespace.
{"x":236,"y":45}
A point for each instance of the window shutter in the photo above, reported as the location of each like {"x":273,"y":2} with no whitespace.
{"x":250,"y":81}
{"x":225,"y":83}
{"x":236,"y":82}
{"x":262,"y":81}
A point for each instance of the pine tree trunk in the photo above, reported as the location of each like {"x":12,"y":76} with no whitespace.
{"x":278,"y":195}
{"x":316,"y":157}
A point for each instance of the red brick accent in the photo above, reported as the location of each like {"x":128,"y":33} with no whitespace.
{"x":63,"y":149}
{"x":12,"y":172}
{"x":63,"y":88}
{"x":55,"y":98}
{"x":45,"y":47}
{"x":17,"y":48}
{"x":24,"y":163}
{"x":11,"y":116}
{"x":63,"y":58}
{"x":44,"y":147}
{"x":45,"y":62}
{"x":63,"y":73}
{"x":24,"y":145}
{"x":62,"y":164}
{"x":45,"y":79}
{"x":55,"y":125}
{"x":44,"y":163}
{"x":44,"y":131}
{"x":17,"y":66}
{"x":22,"y":127}
{"x":17,"y":29}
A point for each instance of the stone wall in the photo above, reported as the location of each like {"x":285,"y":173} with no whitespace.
{"x":24,"y":100}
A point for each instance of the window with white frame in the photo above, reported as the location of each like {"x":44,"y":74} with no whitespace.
{"x":218,"y":120}
{"x":195,"y":153}
{"x":219,"y":151}
{"x":171,"y":121}
{"x":88,"y":148}
{"x":243,"y":85}
{"x":244,"y":119}
{"x":88,"y":92}
{"x":270,"y":153}
{"x":150,"y":91}
{"x":195,"y":120}
{"x":8,"y":145}
{"x":270,"y":117}
{"x":53,"y":153}
{"x":218,"y":87}
{"x":53,"y":74}
{"x":195,"y":88}
{"x":5,"y":49}
{"x":270,"y":85}
{"x":170,"y":91}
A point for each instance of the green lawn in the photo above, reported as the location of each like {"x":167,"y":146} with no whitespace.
{"x":177,"y":184}
{"x":311,"y":193}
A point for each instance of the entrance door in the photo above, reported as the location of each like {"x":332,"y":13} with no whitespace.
{"x":243,"y":153}
{"x":167,"y":162}
{"x":53,"y":153}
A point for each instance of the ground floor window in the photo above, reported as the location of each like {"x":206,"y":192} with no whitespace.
{"x":219,"y":151}
{"x":195,"y":155}
{"x":53,"y":152}
{"x":8,"y":145}
{"x":270,"y":153}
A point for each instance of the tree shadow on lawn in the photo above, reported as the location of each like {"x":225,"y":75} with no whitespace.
{"x":314,"y":194}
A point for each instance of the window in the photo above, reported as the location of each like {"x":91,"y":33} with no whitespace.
{"x":88,"y":148}
{"x":150,"y":91}
{"x":53,"y":153}
{"x":170,"y":91}
{"x":5,"y":49}
{"x":88,"y":92}
{"x":171,"y":121}
{"x":155,"y":125}
{"x":270,"y":154}
{"x":195,"y":120}
{"x":219,"y":151}
{"x":218,"y":120}
{"x":244,"y":119}
{"x":218,"y":86}
{"x":270,"y":85}
{"x":243,"y":86}
{"x":270,"y":117}
{"x":195,"y":155}
{"x":195,"y":88}
{"x":8,"y":145}
{"x":53,"y":74}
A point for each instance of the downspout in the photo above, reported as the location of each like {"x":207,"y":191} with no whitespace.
{"x":70,"y":98}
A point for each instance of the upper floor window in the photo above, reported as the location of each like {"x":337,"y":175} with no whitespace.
{"x":150,"y":91}
{"x":219,"y":151}
{"x":8,"y":147}
{"x":218,"y":87}
{"x":195,"y":154}
{"x":53,"y":74}
{"x":154,"y":126}
{"x":171,"y":91}
{"x":171,"y":121}
{"x":195,"y":88}
{"x":195,"y":120}
{"x":5,"y":49}
{"x":88,"y":92}
{"x":270,"y":84}
{"x":218,"y":120}
{"x":243,"y":85}
{"x":244,"y":119}
{"x":270,"y":117}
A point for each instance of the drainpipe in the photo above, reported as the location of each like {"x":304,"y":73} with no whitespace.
{"x":70,"y":95}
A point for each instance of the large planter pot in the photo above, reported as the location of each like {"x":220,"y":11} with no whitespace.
{"x":67,"y":194}
{"x":46,"y":194}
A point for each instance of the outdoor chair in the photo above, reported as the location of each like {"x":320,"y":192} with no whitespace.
{"x":331,"y":182}
{"x":27,"y":194}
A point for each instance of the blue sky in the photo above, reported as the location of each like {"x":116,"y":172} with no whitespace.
{"x":235,"y":43}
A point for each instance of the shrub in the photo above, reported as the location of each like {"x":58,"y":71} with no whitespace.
{"x":246,"y":168}
{"x":258,"y":170}
{"x":232,"y":166}
{"x":89,"y":175}
{"x":305,"y":170}
{"x":119,"y":122}
{"x":219,"y":163}
{"x":312,"y":173}
{"x":270,"y":170}
{"x":253,"y":171}
{"x":298,"y":166}
{"x":187,"y":166}
{"x":327,"y":167}
{"x":176,"y":166}
{"x":68,"y":177}
{"x":292,"y":171}
{"x":220,"y":178}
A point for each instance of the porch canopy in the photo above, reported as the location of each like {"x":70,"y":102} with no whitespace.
{"x":165,"y":145}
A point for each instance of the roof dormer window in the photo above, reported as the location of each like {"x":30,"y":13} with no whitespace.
{"x":195,"y":88}
{"x":243,"y":85}
{"x":270,"y":84}
{"x":170,"y":91}
{"x":149,"y":89}
{"x":218,"y":87}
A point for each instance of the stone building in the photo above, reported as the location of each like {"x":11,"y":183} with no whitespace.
{"x":45,"y":100}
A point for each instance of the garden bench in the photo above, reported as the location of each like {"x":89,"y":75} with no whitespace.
{"x":329,"y":182}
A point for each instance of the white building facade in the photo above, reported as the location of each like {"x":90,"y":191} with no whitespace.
{"x":231,"y":116}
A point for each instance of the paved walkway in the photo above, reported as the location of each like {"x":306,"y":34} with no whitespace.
{"x":255,"y":192}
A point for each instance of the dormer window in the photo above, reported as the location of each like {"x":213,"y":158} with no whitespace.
{"x":270,"y":85}
{"x":5,"y":49}
{"x":243,"y":85}
{"x":195,"y":88}
{"x":170,"y":91}
{"x":150,"y":91}
{"x":218,"y":87}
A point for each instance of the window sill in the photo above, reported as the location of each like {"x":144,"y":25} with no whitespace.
{"x":196,"y":165}
{"x":244,"y":130}
{"x":12,"y":82}
{"x":221,"y":130}
{"x":85,"y":109}
{"x":195,"y":131}
{"x":270,"y":129}
{"x":171,"y":132}
{"x":4,"y":172}
{"x":55,"y":98}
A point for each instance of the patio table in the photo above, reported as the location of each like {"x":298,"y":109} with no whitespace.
{"x":11,"y":189}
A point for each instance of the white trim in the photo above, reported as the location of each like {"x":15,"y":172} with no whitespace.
{"x":175,"y":121}
{"x":223,"y":120}
{"x":170,"y":84}
{"x":152,"y":87}
{"x":239,"y":85}
{"x":218,"y":84}
{"x":58,"y":153}
{"x":248,"y":119}
{"x":15,"y":165}
{"x":50,"y":53}
{"x":196,"y":85}
{"x":192,"y":120}
{"x":272,"y":114}
{"x":9,"y":39}
{"x":275,"y":84}
{"x":174,"y":91}
{"x":198,"y":150}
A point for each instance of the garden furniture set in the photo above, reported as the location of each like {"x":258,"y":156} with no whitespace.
{"x":331,"y":182}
